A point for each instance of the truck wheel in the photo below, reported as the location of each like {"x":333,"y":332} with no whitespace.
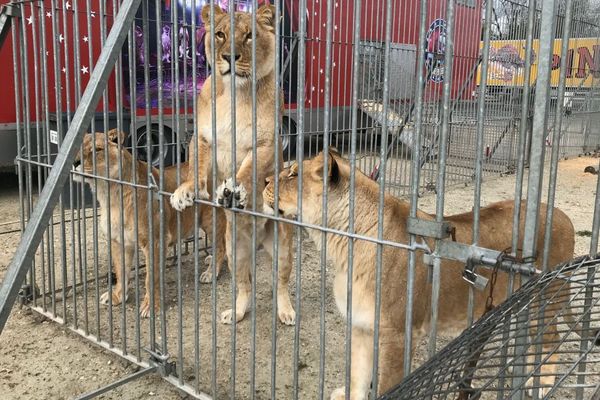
{"x":145,"y":136}
{"x":289,"y":136}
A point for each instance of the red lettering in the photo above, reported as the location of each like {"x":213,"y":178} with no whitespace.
{"x":570,"y":57}
{"x":555,"y":61}
{"x":587,"y":63}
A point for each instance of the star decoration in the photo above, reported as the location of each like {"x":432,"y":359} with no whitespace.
{"x":64,"y":70}
{"x":93,"y":14}
{"x":61,"y":38}
{"x":48,"y":14}
{"x":30,"y":20}
{"x":84,"y":70}
{"x":67,"y":5}
{"x":85,"y":39}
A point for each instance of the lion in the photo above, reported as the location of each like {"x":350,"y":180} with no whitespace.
{"x":106,"y":151}
{"x":495,"y":225}
{"x":227,"y":194}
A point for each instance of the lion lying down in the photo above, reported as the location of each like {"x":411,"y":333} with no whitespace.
{"x":495,"y":225}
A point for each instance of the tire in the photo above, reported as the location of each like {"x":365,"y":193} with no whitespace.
{"x":141,"y":146}
{"x":289,"y":137}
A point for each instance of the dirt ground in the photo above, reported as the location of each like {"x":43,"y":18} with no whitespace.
{"x":40,"y":359}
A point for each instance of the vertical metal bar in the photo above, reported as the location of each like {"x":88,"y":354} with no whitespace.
{"x":441,"y":178}
{"x":213,"y":113}
{"x":254,"y":194}
{"x":481,"y":110}
{"x":540,"y":123}
{"x":34,"y":231}
{"x":521,"y":151}
{"x":277,"y":167}
{"x":382,"y":181}
{"x":323,"y":246}
{"x":584,"y":345}
{"x":134,"y":175}
{"x":106,"y":212}
{"x":300,"y":92}
{"x":232,"y":106}
{"x":357,"y":9}
{"x":415,"y":178}
{"x":194,"y":102}
{"x":46,"y":150}
{"x":534,"y":186}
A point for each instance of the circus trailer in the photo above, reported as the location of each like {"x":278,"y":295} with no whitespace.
{"x":168,"y":74}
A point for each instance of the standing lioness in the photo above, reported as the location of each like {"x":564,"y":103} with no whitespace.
{"x":238,"y":66}
{"x":495,"y":223}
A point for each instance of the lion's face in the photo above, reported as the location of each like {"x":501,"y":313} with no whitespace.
{"x":312,"y":186}
{"x":242,"y":37}
{"x":99,"y":150}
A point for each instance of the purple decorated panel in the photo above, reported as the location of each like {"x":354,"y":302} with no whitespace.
{"x":170,"y":38}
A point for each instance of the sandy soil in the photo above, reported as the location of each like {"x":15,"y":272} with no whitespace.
{"x":40,"y":359}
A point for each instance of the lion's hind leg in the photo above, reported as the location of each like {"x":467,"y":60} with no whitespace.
{"x":243,"y":255}
{"x":549,"y":357}
{"x":361,"y":366}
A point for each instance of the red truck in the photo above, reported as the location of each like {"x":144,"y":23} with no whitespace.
{"x":48,"y":39}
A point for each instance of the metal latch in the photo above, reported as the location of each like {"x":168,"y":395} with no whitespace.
{"x":479,"y":282}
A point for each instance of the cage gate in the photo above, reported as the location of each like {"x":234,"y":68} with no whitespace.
{"x":160,"y":141}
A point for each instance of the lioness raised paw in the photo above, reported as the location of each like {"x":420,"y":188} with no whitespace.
{"x":184,"y":196}
{"x":229,"y":196}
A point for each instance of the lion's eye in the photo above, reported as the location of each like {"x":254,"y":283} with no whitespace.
{"x":220,"y":35}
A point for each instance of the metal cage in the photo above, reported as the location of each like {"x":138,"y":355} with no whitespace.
{"x":416,"y":97}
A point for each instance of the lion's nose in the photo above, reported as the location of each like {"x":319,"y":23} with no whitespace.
{"x":227,"y":57}
{"x":267,"y":181}
{"x":76,"y":163}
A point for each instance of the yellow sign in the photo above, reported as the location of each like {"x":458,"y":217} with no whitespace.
{"x":507,"y":63}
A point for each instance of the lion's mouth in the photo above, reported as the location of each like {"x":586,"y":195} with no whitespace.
{"x":268,"y":208}
{"x":237,"y":74}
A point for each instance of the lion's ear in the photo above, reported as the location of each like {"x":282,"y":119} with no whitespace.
{"x":265,"y":15}
{"x":206,"y":13}
{"x":333,"y":169}
{"x":116,"y":136}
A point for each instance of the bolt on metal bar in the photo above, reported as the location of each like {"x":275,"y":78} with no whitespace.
{"x":58,"y":175}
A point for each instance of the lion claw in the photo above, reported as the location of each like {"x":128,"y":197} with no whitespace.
{"x":229,"y":196}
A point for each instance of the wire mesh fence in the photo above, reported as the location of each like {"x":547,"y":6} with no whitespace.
{"x":194,"y":135}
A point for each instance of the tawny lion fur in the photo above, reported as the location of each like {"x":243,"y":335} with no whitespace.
{"x":495,"y":224}
{"x":266,"y":92}
{"x":108,"y":194}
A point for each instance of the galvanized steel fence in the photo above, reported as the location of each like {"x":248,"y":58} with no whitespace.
{"x":418,"y":96}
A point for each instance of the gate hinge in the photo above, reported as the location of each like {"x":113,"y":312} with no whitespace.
{"x":162,"y":363}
